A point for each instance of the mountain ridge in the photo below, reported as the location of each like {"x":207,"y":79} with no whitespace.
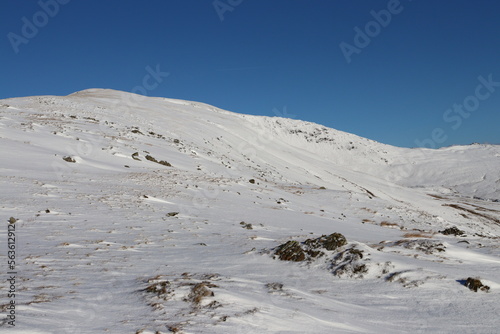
{"x":139,"y":214}
{"x":261,"y":133}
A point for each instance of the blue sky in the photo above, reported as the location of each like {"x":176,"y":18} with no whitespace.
{"x":426,"y":73}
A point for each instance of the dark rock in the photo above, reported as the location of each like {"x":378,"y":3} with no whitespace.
{"x":290,"y":251}
{"x":475,"y":284}
{"x":453,"y":231}
{"x":329,"y":242}
{"x":161,"y":162}
{"x":135,"y":156}
{"x":247,"y":226}
{"x":274,"y":286}
{"x":348,"y":263}
{"x":311,"y":248}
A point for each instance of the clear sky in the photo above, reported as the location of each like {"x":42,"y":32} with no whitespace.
{"x":406,"y":73}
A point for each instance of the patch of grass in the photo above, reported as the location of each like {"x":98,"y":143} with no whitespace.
{"x":369,"y":210}
{"x":458,"y":207}
{"x":417,"y":235}
{"x":161,"y":289}
{"x":436,"y":196}
{"x":198,"y":292}
{"x":387,"y":224}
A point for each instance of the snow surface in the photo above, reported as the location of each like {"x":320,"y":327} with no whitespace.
{"x":113,"y":244}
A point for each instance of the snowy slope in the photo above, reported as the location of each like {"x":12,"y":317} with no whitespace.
{"x":108,"y":240}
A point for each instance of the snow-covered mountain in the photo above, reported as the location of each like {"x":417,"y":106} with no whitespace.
{"x":142,"y":215}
